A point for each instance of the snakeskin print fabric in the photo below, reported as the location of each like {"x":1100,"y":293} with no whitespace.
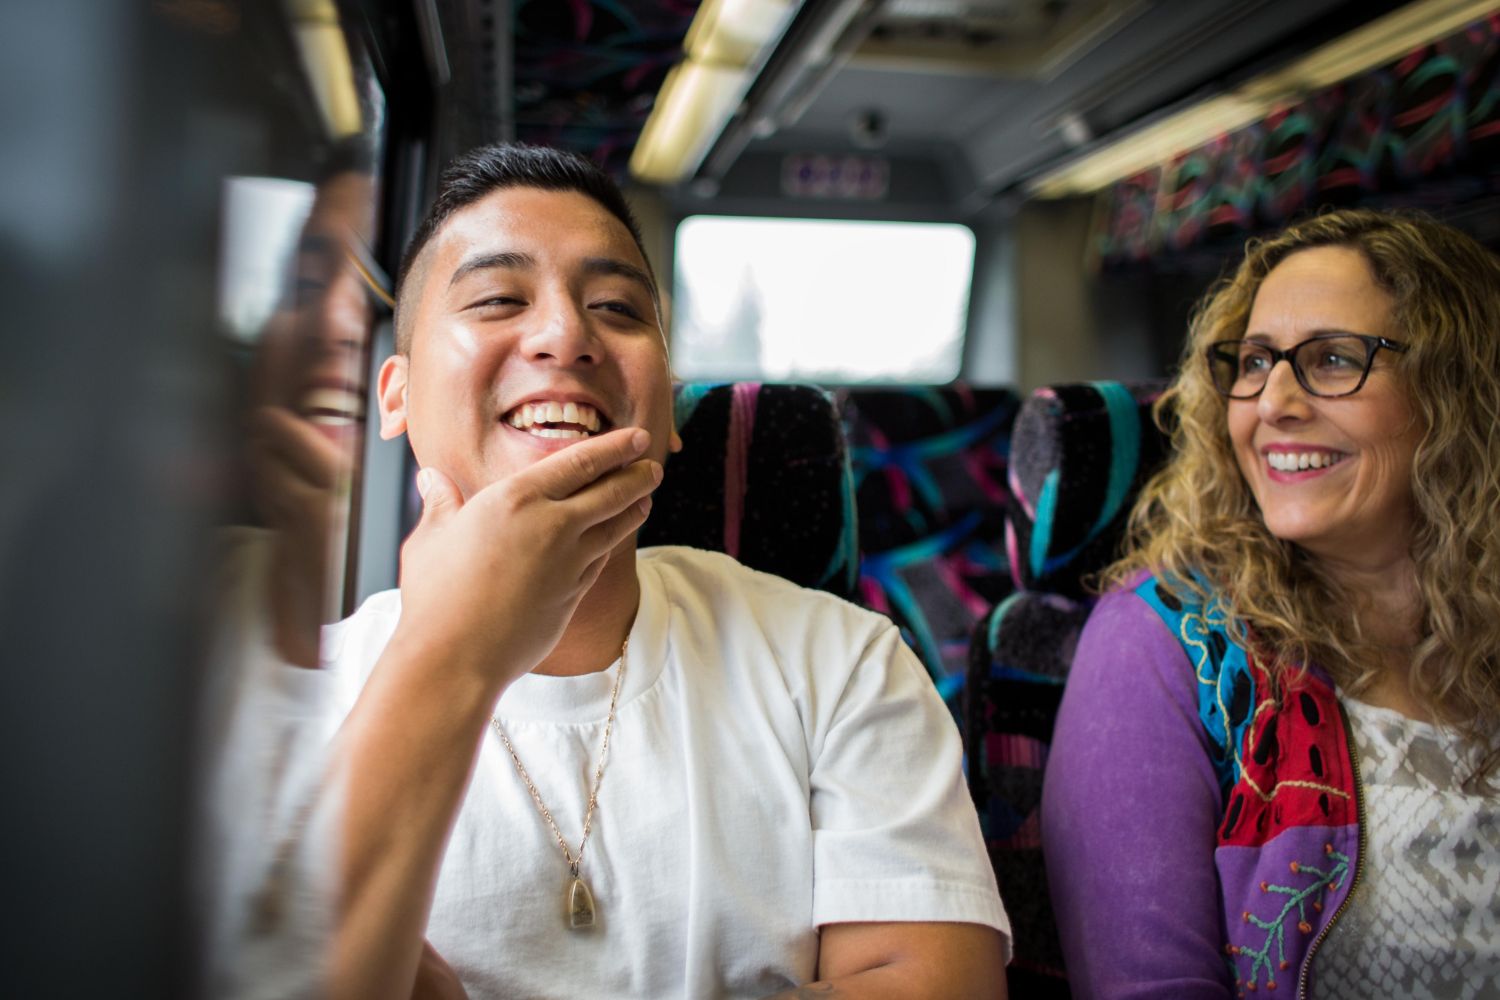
{"x":1424,"y":921}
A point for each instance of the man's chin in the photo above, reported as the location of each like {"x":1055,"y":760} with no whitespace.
{"x":515,"y":457}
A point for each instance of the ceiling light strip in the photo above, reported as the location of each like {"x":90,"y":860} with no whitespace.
{"x":725,"y":41}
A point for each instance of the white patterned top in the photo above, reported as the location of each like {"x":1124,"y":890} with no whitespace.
{"x":1424,"y":920}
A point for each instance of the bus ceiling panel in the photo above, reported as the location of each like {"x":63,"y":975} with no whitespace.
{"x":1019,"y":85}
{"x":913,"y":105}
{"x":1178,"y":52}
{"x":915,"y":181}
{"x":993,"y":92}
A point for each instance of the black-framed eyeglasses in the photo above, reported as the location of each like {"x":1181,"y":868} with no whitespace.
{"x":1328,"y":365}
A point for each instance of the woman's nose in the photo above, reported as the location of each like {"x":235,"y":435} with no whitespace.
{"x":1283,"y":396}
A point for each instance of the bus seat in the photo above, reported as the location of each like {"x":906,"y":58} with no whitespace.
{"x":763,"y":475}
{"x":1079,"y":455}
{"x":929,"y":467}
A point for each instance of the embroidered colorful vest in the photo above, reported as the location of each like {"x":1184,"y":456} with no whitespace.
{"x":1288,"y":843}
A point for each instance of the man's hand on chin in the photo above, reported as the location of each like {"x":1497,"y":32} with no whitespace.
{"x":493,"y":582}
{"x":300,"y":480}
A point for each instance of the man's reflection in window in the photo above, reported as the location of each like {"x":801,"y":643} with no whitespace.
{"x":308,"y":401}
{"x":265,"y":855}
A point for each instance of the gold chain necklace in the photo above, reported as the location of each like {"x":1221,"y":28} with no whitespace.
{"x":580,"y":902}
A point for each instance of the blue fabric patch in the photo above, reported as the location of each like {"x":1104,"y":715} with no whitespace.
{"x":1226,"y":686}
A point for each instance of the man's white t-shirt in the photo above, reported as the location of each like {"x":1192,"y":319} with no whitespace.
{"x":779,"y":761}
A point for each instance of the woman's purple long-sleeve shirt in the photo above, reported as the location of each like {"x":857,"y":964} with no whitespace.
{"x":1129,"y":814}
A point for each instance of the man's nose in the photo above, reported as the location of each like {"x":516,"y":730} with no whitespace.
{"x":1283,"y":396}
{"x":343,"y":315}
{"x":562,"y":333}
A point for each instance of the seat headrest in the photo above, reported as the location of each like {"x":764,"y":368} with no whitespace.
{"x":1029,"y":636}
{"x":763,"y":475}
{"x":1079,"y":455}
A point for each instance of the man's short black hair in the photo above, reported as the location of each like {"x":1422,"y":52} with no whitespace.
{"x":349,"y":155}
{"x":486,"y":169}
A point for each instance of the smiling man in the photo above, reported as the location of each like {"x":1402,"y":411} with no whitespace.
{"x":575,"y":769}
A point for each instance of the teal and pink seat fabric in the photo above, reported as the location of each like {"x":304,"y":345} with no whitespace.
{"x":763,"y":476}
{"x":930,"y":467}
{"x":1079,"y":454}
{"x":907,"y":518}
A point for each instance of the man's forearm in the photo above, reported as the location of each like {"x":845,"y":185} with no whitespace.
{"x":404,"y":760}
{"x":896,"y":960}
{"x":898,"y":981}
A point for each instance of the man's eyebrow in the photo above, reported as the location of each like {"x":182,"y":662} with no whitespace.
{"x":611,"y":265}
{"x":506,"y":258}
{"x":320,"y":244}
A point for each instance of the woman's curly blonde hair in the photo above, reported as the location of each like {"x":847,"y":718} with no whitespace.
{"x":1197,"y":523}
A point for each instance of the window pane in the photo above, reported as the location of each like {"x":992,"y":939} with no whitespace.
{"x":820,"y":300}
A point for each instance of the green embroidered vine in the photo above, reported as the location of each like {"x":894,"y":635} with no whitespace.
{"x":1297,"y":900}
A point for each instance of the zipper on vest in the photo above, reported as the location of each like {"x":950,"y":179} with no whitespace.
{"x":1359,"y":859}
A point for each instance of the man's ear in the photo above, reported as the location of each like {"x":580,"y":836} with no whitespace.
{"x":674,"y":443}
{"x":392,"y":396}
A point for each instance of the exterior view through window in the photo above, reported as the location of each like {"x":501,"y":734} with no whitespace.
{"x":821,"y":300}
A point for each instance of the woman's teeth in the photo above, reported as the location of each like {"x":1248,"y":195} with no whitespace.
{"x":1297,"y":461}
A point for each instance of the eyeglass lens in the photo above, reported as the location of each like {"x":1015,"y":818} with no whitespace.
{"x":1328,"y":366}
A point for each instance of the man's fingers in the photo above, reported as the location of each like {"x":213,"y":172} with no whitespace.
{"x":439,"y":496}
{"x":613,"y":494}
{"x":604,"y":536}
{"x":563,"y":473}
{"x":297,"y":446}
{"x":284,"y":498}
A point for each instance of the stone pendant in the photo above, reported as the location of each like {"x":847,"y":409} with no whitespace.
{"x":580,"y":905}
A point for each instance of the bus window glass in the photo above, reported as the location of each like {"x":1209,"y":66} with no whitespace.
{"x":262,"y":219}
{"x":820,"y":300}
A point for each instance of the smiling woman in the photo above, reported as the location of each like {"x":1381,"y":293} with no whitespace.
{"x":1406,"y":454}
{"x":1297,"y":667}
{"x":1331,"y":473}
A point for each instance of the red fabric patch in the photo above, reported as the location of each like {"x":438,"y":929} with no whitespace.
{"x":1295,"y":765}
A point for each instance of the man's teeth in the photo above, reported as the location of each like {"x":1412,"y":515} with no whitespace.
{"x":579,"y":419}
{"x":1296,"y":461}
{"x":332,"y":406}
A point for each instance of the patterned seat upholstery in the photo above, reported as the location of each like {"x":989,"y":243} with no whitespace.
{"x":1079,"y":455}
{"x":929,"y":469}
{"x":763,"y":476}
